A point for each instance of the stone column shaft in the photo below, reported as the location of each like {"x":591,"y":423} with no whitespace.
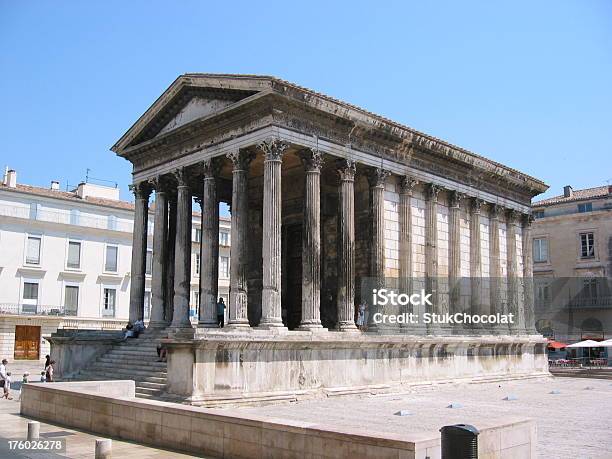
{"x":182,"y":251}
{"x":158,"y":274}
{"x":209,"y":247}
{"x":139,"y":250}
{"x":528,"y":294}
{"x":431,"y":244}
{"x":271,"y":250}
{"x":494,"y":261}
{"x":238,"y":313}
{"x":346,"y":246}
{"x":476,"y":257}
{"x":407,"y":185}
{"x":454,"y":241}
{"x":311,"y":242}
{"x":512,"y":293}
{"x":170,"y":259}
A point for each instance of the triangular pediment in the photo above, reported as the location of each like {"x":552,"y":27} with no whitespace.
{"x":197,"y":107}
{"x":191,"y":97}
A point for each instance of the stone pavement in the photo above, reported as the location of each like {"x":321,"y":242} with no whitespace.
{"x":572,"y":424}
{"x":79,"y":445}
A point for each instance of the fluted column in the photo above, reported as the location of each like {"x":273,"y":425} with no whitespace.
{"x":182,"y":251}
{"x":454,"y":241}
{"x":170,"y":258}
{"x":311,"y":242}
{"x":476,"y":257}
{"x":528,"y":294}
{"x":139,"y":250}
{"x":209,"y":246}
{"x":158,"y":274}
{"x":512,"y":289}
{"x":271,"y":250}
{"x":346,"y":246}
{"x":494,"y":261}
{"x":377,"y":178}
{"x":431,"y":244}
{"x":407,"y":185}
{"x":238,"y":314}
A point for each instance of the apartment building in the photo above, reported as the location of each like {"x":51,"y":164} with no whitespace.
{"x":572,"y":264}
{"x":65,"y":260}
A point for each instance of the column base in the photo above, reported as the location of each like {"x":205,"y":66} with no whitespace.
{"x":349,"y":327}
{"x":181,"y":332}
{"x":238,"y":324}
{"x":276,"y":326}
{"x":158,"y":325}
{"x":312,"y":327}
{"x":208,"y":324}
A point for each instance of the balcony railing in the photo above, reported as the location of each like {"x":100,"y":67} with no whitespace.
{"x":66,"y":218}
{"x":36,"y":309}
{"x":600,"y":301}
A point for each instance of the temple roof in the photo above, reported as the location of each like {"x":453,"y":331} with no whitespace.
{"x":241,"y":86}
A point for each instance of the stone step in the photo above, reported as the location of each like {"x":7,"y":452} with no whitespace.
{"x":98,"y":375}
{"x":133,"y":352}
{"x":126,"y":373}
{"x":132,"y":362}
{"x":150,"y":385}
{"x":148,"y":392}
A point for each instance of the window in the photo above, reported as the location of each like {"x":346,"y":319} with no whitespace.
{"x":30,"y":291}
{"x":224,"y":267}
{"x":538,"y":214}
{"x":149,"y":263}
{"x":589,"y":288}
{"x":197,"y":235}
{"x":196,"y":264}
{"x":33,"y":250}
{"x":74,"y":216}
{"x":111,"y":223}
{"x":34,"y":208}
{"x":71,"y":300}
{"x":110,"y":264}
{"x":110,"y":296}
{"x":74,"y":255}
{"x":196,"y":303}
{"x":586,"y":207}
{"x":587,"y":245}
{"x":540,"y":250}
{"x":224,"y":238}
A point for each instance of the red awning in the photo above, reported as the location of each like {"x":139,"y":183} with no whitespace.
{"x":556,"y":344}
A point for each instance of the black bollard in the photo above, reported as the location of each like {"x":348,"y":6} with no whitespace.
{"x":459,"y":441}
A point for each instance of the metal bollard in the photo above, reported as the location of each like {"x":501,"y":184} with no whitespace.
{"x":459,"y":441}
{"x":104,"y":448}
{"x":33,"y":430}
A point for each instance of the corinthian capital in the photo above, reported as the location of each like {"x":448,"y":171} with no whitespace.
{"x":181,"y":176}
{"x":141,"y":190}
{"x":240,"y":159}
{"x":476,"y":205}
{"x":512,"y":216}
{"x":407,"y":184}
{"x":496,"y":211}
{"x":527,"y":219}
{"x":273,"y":149}
{"x":377,"y":177}
{"x":432,"y":191}
{"x":455,"y":199}
{"x":346,"y":169}
{"x":312,"y":160}
{"x":210,"y":168}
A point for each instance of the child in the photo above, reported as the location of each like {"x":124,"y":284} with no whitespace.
{"x":7,"y":386}
{"x":49,"y":371}
{"x":43,"y":376}
{"x":24,"y":380}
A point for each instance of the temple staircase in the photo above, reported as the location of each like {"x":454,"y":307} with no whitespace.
{"x":134,"y":359}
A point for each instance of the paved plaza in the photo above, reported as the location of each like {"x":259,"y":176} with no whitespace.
{"x":575,"y":423}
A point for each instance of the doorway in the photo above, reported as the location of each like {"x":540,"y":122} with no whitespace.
{"x":27,"y":342}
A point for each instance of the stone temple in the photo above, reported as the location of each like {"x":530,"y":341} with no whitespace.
{"x":325,"y":198}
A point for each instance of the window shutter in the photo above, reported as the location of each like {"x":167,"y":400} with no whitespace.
{"x":33,"y":251}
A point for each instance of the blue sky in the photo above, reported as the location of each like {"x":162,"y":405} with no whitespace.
{"x":527,"y":84}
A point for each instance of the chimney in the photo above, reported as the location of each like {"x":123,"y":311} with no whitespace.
{"x":55,"y":185}
{"x":11,"y":179}
{"x":567,"y":191}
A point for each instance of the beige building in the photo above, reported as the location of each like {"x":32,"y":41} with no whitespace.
{"x":572,"y":264}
